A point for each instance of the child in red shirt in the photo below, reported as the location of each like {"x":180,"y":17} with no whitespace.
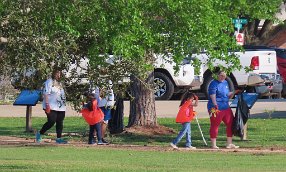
{"x":93,"y":116}
{"x":185,"y":116}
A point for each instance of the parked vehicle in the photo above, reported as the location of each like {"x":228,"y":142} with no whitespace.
{"x":264,"y":70}
{"x":281,"y":64}
{"x":167,"y":82}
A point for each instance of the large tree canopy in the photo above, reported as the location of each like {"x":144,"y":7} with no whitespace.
{"x":46,"y":33}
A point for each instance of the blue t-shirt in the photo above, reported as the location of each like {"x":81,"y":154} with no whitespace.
{"x":221,"y":90}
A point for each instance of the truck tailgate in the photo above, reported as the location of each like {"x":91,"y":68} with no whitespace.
{"x":267,"y":62}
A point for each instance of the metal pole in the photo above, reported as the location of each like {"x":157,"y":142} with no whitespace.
{"x":201,"y":131}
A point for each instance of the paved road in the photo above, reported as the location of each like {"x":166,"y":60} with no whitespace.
{"x":261,"y":109}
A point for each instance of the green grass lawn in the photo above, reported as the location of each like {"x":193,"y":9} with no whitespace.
{"x":262,"y":133}
{"x":105,"y":159}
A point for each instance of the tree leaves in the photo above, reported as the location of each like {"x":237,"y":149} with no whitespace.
{"x":45,"y":34}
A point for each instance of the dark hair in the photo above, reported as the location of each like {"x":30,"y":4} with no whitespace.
{"x":54,"y":73}
{"x":186,"y":96}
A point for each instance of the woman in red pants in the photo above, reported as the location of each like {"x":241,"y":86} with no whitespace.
{"x":219,"y":110}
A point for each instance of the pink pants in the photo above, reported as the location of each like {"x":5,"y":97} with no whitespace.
{"x":227,"y":117}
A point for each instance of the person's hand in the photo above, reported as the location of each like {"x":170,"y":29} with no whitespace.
{"x":196,"y":97}
{"x":48,"y":109}
{"x":237,"y":91}
{"x":216,"y":107}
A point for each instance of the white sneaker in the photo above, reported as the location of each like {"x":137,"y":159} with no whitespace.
{"x":174,"y":146}
{"x":232,"y":146}
{"x":191,"y":147}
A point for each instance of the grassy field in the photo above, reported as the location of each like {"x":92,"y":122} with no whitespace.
{"x":106,"y":159}
{"x":262,"y":134}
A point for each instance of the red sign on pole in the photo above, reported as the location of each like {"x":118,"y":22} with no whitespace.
{"x":240,"y":38}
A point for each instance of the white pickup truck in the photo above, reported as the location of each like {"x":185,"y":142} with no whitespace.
{"x":167,"y":82}
{"x":262,"y":61}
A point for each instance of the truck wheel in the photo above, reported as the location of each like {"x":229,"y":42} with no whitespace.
{"x":208,"y":81}
{"x":164,"y":87}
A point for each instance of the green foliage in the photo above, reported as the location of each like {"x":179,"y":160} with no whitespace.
{"x":47,"y":34}
{"x":256,"y":9}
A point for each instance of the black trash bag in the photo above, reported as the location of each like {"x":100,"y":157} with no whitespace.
{"x":115,"y":124}
{"x":241,"y":117}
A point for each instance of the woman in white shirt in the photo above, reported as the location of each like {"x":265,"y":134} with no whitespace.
{"x":54,"y":104}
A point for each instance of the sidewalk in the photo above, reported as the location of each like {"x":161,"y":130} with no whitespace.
{"x":168,"y":109}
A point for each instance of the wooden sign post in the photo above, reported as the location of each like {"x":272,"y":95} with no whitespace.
{"x":28,"y":98}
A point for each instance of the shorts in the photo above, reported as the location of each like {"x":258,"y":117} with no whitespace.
{"x":107,"y":113}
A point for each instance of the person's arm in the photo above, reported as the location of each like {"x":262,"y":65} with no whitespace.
{"x":196,"y":101}
{"x":46,"y":97}
{"x":213,"y":99}
{"x":96,"y":91}
{"x":231,"y":94}
{"x":212,"y":93}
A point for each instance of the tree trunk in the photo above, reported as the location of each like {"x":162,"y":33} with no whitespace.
{"x":251,"y":32}
{"x":142,"y":105}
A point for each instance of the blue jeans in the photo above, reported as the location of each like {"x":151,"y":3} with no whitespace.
{"x":97,"y":127}
{"x":185,"y":130}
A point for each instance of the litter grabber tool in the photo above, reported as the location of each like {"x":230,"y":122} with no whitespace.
{"x":201,"y":131}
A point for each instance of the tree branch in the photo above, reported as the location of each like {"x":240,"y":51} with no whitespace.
{"x":257,"y":21}
{"x":265,"y":29}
